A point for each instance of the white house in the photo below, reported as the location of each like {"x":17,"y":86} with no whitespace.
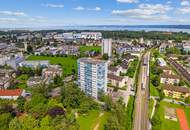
{"x":117,"y":81}
{"x":161,"y":62}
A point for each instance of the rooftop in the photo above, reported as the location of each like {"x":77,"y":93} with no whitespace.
{"x":164,"y":75}
{"x":91,"y":61}
{"x":16,"y":92}
{"x":114,"y":77}
{"x":176,"y":88}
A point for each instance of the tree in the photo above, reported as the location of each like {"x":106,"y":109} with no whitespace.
{"x":53,"y":112}
{"x":57,"y":80}
{"x":21,"y":101}
{"x":105,"y":57}
{"x":156,"y":54}
{"x":187,"y":100}
{"x":25,"y":122}
{"x":29,"y":49}
{"x":46,"y":123}
{"x":5,"y":118}
{"x":156,"y":81}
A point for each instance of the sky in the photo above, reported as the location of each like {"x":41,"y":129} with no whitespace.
{"x":41,"y":13}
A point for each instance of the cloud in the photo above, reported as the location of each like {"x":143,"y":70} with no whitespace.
{"x":184,"y":10}
{"x":95,"y":9}
{"x":146,"y":12}
{"x":144,"y":9}
{"x":79,"y":8}
{"x":185,"y":3}
{"x":11,"y":13}
{"x":7,"y":20}
{"x":53,"y":5}
{"x":127,"y":1}
{"x":168,"y":2}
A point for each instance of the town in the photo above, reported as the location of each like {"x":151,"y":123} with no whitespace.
{"x":94,"y":80}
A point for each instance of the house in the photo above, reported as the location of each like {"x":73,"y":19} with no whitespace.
{"x":161,"y":62}
{"x":91,"y":35}
{"x":51,"y":72}
{"x":170,"y":114}
{"x":186,"y":47}
{"x":11,"y":94}
{"x":34,"y":63}
{"x":166,"y":70}
{"x":169,"y":79}
{"x":162,"y":48}
{"x":176,"y":92}
{"x":117,"y":81}
{"x":34,"y":81}
{"x":115,"y":70}
{"x":15,"y":61}
{"x":5,"y":82}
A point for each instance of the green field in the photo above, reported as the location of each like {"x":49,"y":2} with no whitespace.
{"x":150,"y":106}
{"x":90,"y":48}
{"x":67,"y":63}
{"x":166,"y":124}
{"x":153,"y":90}
{"x":22,"y":81}
{"x":89,"y":122}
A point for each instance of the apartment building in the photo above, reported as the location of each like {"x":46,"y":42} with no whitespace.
{"x":92,"y":76}
{"x":176,"y":92}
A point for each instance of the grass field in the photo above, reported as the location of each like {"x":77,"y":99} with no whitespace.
{"x":168,"y":124}
{"x":150,"y":106}
{"x":67,"y":63}
{"x":88,"y":122}
{"x":22,"y":81}
{"x":153,"y":90}
{"x":90,"y":48}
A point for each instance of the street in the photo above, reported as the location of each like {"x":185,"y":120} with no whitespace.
{"x":141,"y":120}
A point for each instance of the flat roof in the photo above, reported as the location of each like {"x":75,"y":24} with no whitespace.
{"x":91,"y":61}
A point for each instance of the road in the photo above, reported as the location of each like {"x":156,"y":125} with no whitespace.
{"x":141,"y":120}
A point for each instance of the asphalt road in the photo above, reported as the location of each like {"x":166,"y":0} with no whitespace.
{"x":141,"y":120}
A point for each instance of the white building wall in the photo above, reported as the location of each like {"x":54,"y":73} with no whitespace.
{"x":107,"y":47}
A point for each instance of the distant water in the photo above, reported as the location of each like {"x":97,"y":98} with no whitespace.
{"x":164,"y":28}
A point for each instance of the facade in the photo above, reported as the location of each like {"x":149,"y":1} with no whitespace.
{"x":169,"y":79}
{"x":14,"y":62}
{"x":35,"y":63}
{"x":11,"y":94}
{"x":115,"y":70}
{"x":186,"y":47}
{"x":117,"y":81}
{"x":92,"y":76}
{"x":166,"y":70}
{"x":91,"y":35}
{"x":162,"y":48}
{"x":34,"y":81}
{"x":107,"y":47}
{"x":176,"y":92}
{"x":161,"y":62}
{"x":51,"y":72}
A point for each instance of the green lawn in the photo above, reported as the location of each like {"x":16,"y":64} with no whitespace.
{"x":168,"y":124}
{"x":67,"y":63}
{"x":132,"y":68}
{"x":22,"y":81}
{"x":153,"y":90}
{"x":90,"y":48}
{"x":88,"y":122}
{"x":150,"y":106}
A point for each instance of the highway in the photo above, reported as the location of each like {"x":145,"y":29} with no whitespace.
{"x":141,"y":120}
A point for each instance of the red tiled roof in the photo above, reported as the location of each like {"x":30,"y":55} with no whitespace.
{"x":16,"y":92}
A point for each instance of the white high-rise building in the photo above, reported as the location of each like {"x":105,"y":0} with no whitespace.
{"x":107,"y":47}
{"x":92,"y":76}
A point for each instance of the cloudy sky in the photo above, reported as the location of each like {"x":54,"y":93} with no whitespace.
{"x":34,"y":13}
